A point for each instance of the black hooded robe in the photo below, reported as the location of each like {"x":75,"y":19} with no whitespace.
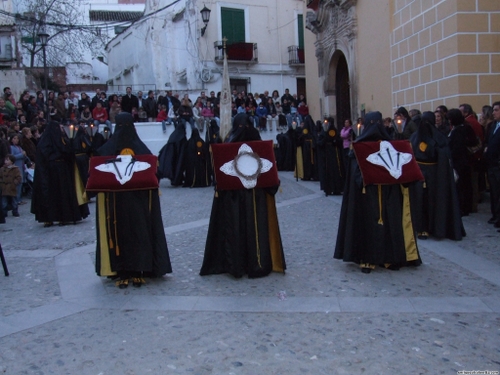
{"x":375,"y":226}
{"x":285,"y":153}
{"x":330,"y":161}
{"x":306,"y":152}
{"x":130,"y":236}
{"x":435,"y":205}
{"x":197,"y":162}
{"x":56,"y":196}
{"x":243,"y":233}
{"x":172,"y":156}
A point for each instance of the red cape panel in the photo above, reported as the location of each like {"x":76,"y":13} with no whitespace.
{"x":226,"y":152}
{"x":106,"y":182}
{"x":375,"y":174}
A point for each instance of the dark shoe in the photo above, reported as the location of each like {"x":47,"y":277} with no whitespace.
{"x":138,"y":281}
{"x":366,"y":270}
{"x":423,"y":236}
{"x":16,"y":214}
{"x":413,"y":263}
{"x":48,"y":224}
{"x":392,"y":267}
{"x":498,"y":230}
{"x":496,"y":225}
{"x":122,"y":284}
{"x":492,"y":220}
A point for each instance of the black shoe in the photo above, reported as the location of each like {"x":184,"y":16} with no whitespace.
{"x":492,"y":220}
{"x":496,"y":225}
{"x":366,"y":270}
{"x":16,"y":214}
{"x":122,"y":284}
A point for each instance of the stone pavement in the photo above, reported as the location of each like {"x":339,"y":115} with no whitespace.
{"x":322,"y":317}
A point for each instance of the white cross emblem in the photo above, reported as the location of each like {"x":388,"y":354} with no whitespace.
{"x":247,"y":166}
{"x":123,"y":167}
{"x":390,"y":158}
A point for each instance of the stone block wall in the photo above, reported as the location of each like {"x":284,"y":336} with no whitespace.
{"x":445,"y":52}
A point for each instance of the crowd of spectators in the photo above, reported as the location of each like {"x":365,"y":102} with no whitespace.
{"x":472,"y":138}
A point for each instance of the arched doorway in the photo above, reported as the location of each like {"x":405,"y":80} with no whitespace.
{"x":343,"y":92}
{"x":338,"y":88}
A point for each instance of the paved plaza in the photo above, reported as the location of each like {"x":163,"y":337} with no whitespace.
{"x":322,"y":317}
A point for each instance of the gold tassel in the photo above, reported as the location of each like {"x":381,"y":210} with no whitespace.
{"x":380,"y":220}
{"x":425,"y":185}
{"x":364,"y":190}
{"x":281,"y":190}
{"x":216,"y":194}
{"x":117,"y":250}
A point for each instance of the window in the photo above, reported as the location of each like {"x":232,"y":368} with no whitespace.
{"x":300,"y":27}
{"x":233,"y":25}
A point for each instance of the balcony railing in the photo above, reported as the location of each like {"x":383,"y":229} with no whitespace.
{"x":295,"y":55}
{"x":236,"y":52}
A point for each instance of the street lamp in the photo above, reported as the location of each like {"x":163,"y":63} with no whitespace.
{"x":205,"y":16}
{"x":44,"y":38}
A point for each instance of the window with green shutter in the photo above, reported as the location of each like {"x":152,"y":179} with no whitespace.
{"x":300,"y":27}
{"x":233,"y":25}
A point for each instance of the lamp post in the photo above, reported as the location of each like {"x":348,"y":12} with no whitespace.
{"x":44,"y":37}
{"x":205,"y":16}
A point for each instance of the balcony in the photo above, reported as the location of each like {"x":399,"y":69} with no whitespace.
{"x":236,"y":52}
{"x":295,"y":56}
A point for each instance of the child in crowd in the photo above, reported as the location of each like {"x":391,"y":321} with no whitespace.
{"x":10,"y":179}
{"x":143,"y":116}
{"x":162,"y":117}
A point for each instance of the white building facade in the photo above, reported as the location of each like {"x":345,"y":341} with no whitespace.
{"x":167,"y":50}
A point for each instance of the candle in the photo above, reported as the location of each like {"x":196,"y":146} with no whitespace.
{"x":71,"y":131}
{"x":359,"y":128}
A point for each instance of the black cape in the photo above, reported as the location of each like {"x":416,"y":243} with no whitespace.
{"x":172,"y":156}
{"x":435,"y":207}
{"x":130,"y":235}
{"x":330,"y":161}
{"x":307,"y":165}
{"x":197,"y":162}
{"x":56,"y":196}
{"x":375,"y":224}
{"x":285,"y":153}
{"x":243,"y":233}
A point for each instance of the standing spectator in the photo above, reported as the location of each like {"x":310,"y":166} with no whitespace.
{"x":492,"y":156}
{"x":20,"y":156}
{"x":461,"y":137}
{"x":475,"y":157}
{"x":150,"y":106}
{"x":10,"y":180}
{"x":442,"y":123}
{"x":100,"y":116}
{"x":406,"y":127}
{"x":60,"y":106}
{"x":84,"y":102}
{"x":129,"y":101}
{"x":286,"y":96}
{"x":348,"y":136}
{"x":95,"y":99}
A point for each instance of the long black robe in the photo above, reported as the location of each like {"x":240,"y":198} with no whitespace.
{"x":130,"y":235}
{"x":55,"y":193}
{"x":197,"y":162}
{"x":435,"y":205}
{"x":285,"y":154}
{"x":306,"y":152}
{"x":172,"y":156}
{"x":330,"y":161}
{"x":375,"y":224}
{"x":243,"y":233}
